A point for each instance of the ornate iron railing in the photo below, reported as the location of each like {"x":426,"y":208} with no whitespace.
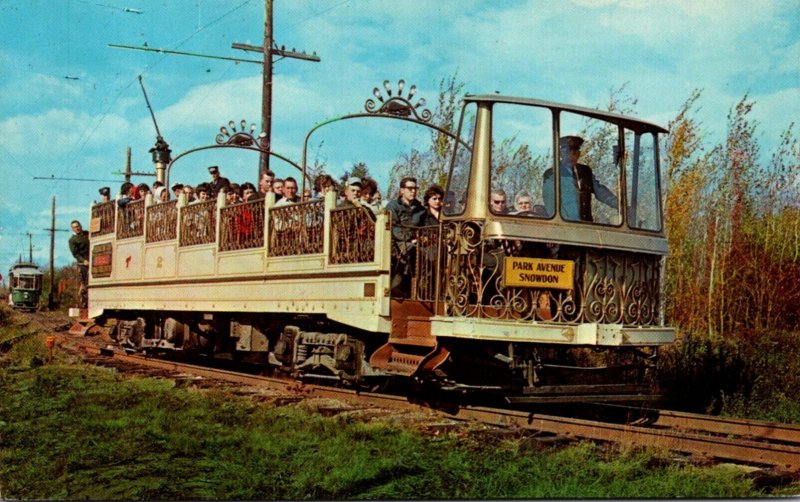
{"x":242,"y":226}
{"x":162,"y":221}
{"x":610,"y":287}
{"x":130,"y":222}
{"x":199,"y":223}
{"x":296,"y":229}
{"x":428,"y":263}
{"x":352,"y":235}
{"x":105,"y":212}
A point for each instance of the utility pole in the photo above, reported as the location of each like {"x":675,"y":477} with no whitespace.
{"x":128,"y":165}
{"x":128,"y":172}
{"x":50,"y":299}
{"x":268,"y":51}
{"x":266,"y":90}
{"x":30,"y":246}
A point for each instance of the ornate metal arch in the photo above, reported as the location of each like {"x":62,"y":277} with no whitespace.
{"x":240,"y":139}
{"x":397,"y":107}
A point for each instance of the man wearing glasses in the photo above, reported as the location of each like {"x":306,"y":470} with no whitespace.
{"x":499,"y":201}
{"x":578,"y":183}
{"x":405,"y":211}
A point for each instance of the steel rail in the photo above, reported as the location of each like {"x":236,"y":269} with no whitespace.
{"x":783,"y":457}
{"x":754,"y":429}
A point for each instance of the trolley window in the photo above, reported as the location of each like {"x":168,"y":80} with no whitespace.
{"x":641,"y":172}
{"x":458,"y":181}
{"x":522,"y":144}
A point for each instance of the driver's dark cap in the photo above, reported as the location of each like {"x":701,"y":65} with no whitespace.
{"x":213,"y":169}
{"x":572,"y":142}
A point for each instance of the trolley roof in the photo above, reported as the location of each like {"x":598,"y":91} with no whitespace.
{"x":632,"y":123}
{"x":25,"y":268}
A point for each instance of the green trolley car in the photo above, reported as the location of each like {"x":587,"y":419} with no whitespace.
{"x":25,"y":286}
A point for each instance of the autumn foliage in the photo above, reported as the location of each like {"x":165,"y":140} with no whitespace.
{"x":733,"y":223}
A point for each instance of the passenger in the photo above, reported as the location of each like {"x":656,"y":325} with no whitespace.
{"x":189,"y":192}
{"x":105,"y":195}
{"x":433,"y":202}
{"x":578,"y":183}
{"x":161,"y":194}
{"x":203,"y":192}
{"x":79,"y":247}
{"x":289,"y":192}
{"x":125,"y":194}
{"x":248,"y":192}
{"x":157,"y":184}
{"x":377,"y":200}
{"x":277,"y":187}
{"x":232,"y":194}
{"x":244,"y":220}
{"x":498,"y":201}
{"x":369,"y":187}
{"x":352,"y":193}
{"x":177,"y":189}
{"x":522,"y":203}
{"x":216,"y":182}
{"x":265,"y":182}
{"x":143,"y":190}
{"x":306,"y":194}
{"x":404,"y":212}
{"x":323,"y":184}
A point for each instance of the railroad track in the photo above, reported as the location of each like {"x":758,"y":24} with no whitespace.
{"x":776,"y":446}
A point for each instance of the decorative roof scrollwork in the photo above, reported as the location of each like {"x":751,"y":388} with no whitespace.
{"x":240,"y":137}
{"x":398,"y":105}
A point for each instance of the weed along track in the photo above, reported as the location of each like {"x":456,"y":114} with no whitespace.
{"x":701,"y":437}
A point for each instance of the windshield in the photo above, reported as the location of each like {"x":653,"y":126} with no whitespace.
{"x":521,"y":154}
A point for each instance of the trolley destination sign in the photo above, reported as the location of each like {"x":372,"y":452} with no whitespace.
{"x":539,"y":273}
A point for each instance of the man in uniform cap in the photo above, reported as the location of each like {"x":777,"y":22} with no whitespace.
{"x":217,"y":181}
{"x":578,"y":183}
{"x":352,"y":192}
{"x":105,"y":194}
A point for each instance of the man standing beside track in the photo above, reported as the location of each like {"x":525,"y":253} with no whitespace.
{"x":79,"y":246}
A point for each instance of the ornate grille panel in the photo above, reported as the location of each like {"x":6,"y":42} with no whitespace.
{"x":296,"y":229}
{"x":105,"y":212}
{"x":428,"y":252}
{"x":199,"y":223}
{"x":242,"y":226}
{"x":352,"y":235}
{"x":610,"y":287}
{"x":162,"y":221}
{"x":131,"y":220}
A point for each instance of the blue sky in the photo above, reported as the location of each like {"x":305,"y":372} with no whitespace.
{"x":570,"y":51}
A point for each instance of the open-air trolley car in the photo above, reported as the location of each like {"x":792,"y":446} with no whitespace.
{"x":547,"y":305}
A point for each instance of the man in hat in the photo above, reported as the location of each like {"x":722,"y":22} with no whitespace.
{"x":578,"y":183}
{"x":352,"y":192}
{"x":105,"y":194}
{"x":217,"y":181}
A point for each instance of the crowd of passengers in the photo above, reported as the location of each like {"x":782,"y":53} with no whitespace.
{"x":406,"y":210}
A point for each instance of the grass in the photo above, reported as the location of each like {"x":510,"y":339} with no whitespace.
{"x":71,"y":431}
